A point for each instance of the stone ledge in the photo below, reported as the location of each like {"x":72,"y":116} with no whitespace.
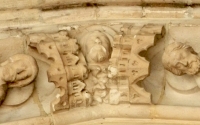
{"x":29,"y":18}
{"x":129,"y":121}
{"x":165,"y":12}
{"x":142,"y":114}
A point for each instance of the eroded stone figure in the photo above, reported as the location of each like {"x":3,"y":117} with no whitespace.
{"x":96,"y":47}
{"x":18,"y":71}
{"x":183,"y":64}
{"x":180,"y":59}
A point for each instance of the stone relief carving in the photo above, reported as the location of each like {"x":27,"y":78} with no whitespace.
{"x":96,"y":47}
{"x":180,"y":59}
{"x":131,"y":67}
{"x":97,"y":65}
{"x":97,"y":59}
{"x":183,"y":64}
{"x":66,"y":65}
{"x":17,"y":75}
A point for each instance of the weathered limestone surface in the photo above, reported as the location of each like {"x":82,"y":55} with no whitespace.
{"x":143,"y":115}
{"x":28,"y":18}
{"x":99,"y":62}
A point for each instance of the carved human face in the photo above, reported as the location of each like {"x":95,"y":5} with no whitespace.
{"x":98,"y":47}
{"x":187,"y":62}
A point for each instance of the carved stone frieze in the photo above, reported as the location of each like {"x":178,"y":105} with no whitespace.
{"x":97,"y":64}
{"x":92,"y":62}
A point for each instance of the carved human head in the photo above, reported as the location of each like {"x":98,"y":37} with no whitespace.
{"x":19,"y":70}
{"x":180,"y":59}
{"x":96,"y":47}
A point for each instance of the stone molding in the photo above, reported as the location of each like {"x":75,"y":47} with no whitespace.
{"x":141,"y":115}
{"x":138,"y":31}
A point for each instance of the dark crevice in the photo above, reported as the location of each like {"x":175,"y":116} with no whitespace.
{"x":59,"y":6}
